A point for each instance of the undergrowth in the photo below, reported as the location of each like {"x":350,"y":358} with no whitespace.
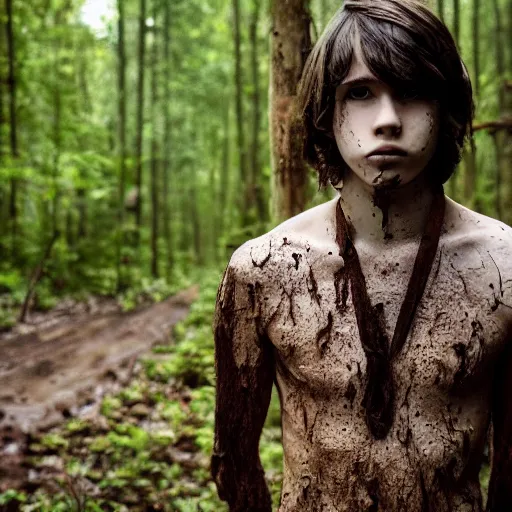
{"x":148,"y":448}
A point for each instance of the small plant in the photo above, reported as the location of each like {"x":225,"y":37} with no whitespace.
{"x":12,"y":495}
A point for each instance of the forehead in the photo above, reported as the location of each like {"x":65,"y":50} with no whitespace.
{"x":358,"y":68}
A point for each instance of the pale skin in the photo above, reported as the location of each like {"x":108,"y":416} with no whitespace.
{"x":277,"y":319}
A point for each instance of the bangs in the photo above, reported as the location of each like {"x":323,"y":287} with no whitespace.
{"x":392,"y":54}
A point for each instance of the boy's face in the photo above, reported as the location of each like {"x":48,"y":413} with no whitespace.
{"x":385,"y":136}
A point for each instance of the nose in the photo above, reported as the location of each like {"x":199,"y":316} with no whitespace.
{"x":387,"y":122}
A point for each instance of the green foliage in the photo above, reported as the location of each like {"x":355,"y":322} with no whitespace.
{"x":54,"y":441}
{"x":129,"y":436}
{"x":159,"y":439}
{"x":12,"y":495}
{"x":110,"y":404}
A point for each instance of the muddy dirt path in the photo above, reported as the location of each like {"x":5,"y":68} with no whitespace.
{"x":49,"y":372}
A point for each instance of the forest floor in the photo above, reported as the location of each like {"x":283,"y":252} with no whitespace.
{"x":61,"y":363}
{"x":110,"y":412}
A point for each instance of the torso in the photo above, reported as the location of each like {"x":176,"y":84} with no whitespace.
{"x":443,"y":376}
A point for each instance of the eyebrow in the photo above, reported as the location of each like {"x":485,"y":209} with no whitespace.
{"x":361,"y":80}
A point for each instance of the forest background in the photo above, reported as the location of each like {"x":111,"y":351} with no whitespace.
{"x":136,"y":152}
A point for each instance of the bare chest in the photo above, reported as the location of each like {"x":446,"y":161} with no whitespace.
{"x":456,"y":334}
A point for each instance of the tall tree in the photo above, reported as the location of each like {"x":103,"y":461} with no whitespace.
{"x":11,"y":80}
{"x":470,"y":167}
{"x":456,"y":21}
{"x":476,"y":45}
{"x":3,"y":216}
{"x":502,"y":165}
{"x":224,"y":169}
{"x":440,"y":9}
{"x":121,"y":113}
{"x":290,"y":44}
{"x":255,"y":186}
{"x":242,"y":152}
{"x":57,"y":127}
{"x":87,"y":108}
{"x":456,"y":35}
{"x":167,"y":142}
{"x":140,"y":115}
{"x":509,"y":32}
{"x":154,"y":145}
{"x":323,"y":14}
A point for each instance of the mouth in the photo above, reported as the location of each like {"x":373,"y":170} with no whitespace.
{"x":387,"y":151}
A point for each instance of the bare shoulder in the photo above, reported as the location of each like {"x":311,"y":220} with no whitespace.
{"x":481,"y":248}
{"x":465,"y":227}
{"x":306,"y":237}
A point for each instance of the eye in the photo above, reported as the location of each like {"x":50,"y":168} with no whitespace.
{"x":409,"y":94}
{"x":359,"y":93}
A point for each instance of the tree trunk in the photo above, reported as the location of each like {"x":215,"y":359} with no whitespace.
{"x":440,"y":9}
{"x":4,"y":218}
{"x":245,"y":203}
{"x":456,"y":22}
{"x":469,"y":155}
{"x":290,"y":46}
{"x":36,"y":277}
{"x":154,"y":148}
{"x":224,"y":172}
{"x":476,"y":46}
{"x":256,"y":189}
{"x":509,"y":32}
{"x":500,"y":137}
{"x":497,"y":200}
{"x":456,"y":35}
{"x":212,"y":226}
{"x":168,"y":234}
{"x":81,"y":201}
{"x":140,"y":117}
{"x":323,"y":15}
{"x":470,"y":174}
{"x":121,"y":112}
{"x":57,"y":140}
{"x":194,"y":213}
{"x":11,"y":80}
{"x":507,"y":112}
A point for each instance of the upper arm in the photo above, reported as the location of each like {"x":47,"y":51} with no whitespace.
{"x":243,"y":352}
{"x":500,"y":485}
{"x":245,"y":373}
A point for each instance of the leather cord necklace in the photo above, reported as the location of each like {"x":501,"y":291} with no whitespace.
{"x":379,"y":394}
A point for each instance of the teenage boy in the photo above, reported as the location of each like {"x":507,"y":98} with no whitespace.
{"x":385,"y":315}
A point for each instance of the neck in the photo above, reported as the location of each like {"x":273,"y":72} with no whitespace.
{"x":385,"y":216}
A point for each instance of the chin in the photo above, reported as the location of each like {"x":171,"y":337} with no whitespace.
{"x":387,"y":179}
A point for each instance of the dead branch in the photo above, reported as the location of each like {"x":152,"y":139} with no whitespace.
{"x":492,"y":126}
{"x":36,"y":276}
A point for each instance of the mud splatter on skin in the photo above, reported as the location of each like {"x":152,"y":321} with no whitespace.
{"x":296,"y":257}
{"x":262,"y":264}
{"x":351,"y":393}
{"x":330,"y":387}
{"x":382,"y":201}
{"x":431,"y":129}
{"x":309,"y":429}
{"x":470,"y":354}
{"x":379,"y":396}
{"x":313,"y":287}
{"x":323,"y":337}
{"x":243,"y":388}
{"x":341,"y":279}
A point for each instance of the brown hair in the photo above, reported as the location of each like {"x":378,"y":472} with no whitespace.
{"x":406,"y":46}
